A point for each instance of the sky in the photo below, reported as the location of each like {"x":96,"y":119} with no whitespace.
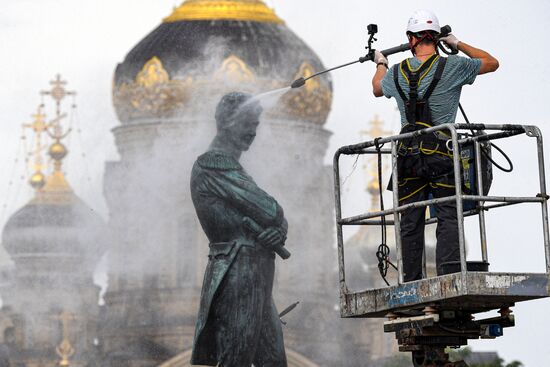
{"x":84,"y":40}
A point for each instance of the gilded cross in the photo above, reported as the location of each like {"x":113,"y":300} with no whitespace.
{"x":39,"y":126}
{"x":58,"y":92}
{"x":65,"y":350}
{"x":376,"y":129}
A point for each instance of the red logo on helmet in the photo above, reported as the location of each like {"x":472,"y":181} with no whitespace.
{"x":429,"y":22}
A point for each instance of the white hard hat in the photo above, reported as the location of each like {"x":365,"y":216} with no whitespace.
{"x":423,"y":20}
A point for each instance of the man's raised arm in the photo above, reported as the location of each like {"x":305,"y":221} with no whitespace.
{"x":488,"y":62}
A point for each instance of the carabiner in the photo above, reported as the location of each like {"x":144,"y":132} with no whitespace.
{"x":449,"y":146}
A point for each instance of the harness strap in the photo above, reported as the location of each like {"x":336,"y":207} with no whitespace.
{"x":396,"y":80}
{"x":436,"y":79}
{"x":413,"y":94}
{"x":421,"y":71}
{"x":404,"y":68}
{"x":413,"y":77}
{"x":416,"y":107}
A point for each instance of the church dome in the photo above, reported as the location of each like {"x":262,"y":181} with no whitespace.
{"x":206,"y":48}
{"x":55,"y":221}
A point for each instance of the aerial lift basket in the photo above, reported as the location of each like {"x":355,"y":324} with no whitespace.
{"x":437,"y":312}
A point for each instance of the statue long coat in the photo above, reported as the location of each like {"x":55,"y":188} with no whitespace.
{"x":223,"y":195}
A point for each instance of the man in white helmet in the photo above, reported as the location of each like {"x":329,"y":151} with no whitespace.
{"x":427,"y":89}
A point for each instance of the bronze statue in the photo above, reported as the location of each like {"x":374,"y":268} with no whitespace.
{"x":238,"y":323}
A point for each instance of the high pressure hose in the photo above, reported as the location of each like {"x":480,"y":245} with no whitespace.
{"x":497,"y":148}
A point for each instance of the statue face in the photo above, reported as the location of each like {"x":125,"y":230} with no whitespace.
{"x":242,"y":133}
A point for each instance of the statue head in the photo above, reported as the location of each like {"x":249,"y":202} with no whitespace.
{"x":237,"y":118}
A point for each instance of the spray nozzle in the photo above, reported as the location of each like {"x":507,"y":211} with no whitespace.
{"x":298,"y":83}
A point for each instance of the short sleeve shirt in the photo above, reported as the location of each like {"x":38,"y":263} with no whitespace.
{"x":459,"y":71}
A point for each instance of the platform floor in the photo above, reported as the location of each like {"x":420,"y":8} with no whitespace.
{"x":479,"y":292}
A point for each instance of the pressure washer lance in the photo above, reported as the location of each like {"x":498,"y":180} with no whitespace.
{"x":445,"y":30}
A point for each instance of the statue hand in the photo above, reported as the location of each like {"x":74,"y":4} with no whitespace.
{"x":271,"y":237}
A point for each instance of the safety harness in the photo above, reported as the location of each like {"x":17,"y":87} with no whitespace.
{"x":417,"y":110}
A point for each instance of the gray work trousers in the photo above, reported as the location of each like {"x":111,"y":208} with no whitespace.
{"x":420,"y":175}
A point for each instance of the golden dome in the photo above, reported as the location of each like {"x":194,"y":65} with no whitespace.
{"x":247,"y":10}
{"x":207,"y":48}
{"x":58,"y":151}
{"x":37,"y":180}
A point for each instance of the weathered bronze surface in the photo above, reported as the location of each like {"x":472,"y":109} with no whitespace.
{"x":238,"y":323}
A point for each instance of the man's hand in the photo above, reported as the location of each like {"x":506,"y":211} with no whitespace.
{"x":271,"y":237}
{"x":450,"y":41}
{"x":379,"y":58}
{"x":381,"y":68}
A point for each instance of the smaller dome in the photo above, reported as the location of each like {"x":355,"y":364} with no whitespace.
{"x":55,"y":221}
{"x":57,"y":151}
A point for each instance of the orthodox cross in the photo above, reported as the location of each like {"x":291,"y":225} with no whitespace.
{"x":376,"y":129}
{"x":65,"y":350}
{"x":58,"y":92}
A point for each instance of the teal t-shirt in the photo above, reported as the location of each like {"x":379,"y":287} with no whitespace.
{"x":444,"y":100}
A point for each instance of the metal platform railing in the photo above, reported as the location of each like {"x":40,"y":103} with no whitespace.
{"x":456,"y":141}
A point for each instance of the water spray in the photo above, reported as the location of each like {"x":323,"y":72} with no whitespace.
{"x":372,"y":30}
{"x":269,"y":99}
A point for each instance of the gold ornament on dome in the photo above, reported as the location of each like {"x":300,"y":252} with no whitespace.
{"x":235,"y":70}
{"x":311,"y":102}
{"x":57,"y":151}
{"x":65,"y":350}
{"x":245,"y":10}
{"x":153,"y":73}
{"x":37,"y":180}
{"x":51,"y":188}
{"x":152,"y":94}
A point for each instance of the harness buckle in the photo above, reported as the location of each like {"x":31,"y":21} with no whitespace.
{"x":402,"y":150}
